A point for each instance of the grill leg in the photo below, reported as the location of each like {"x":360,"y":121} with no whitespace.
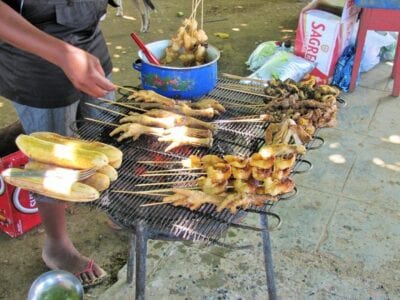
{"x":131,"y":257}
{"x":141,"y":254}
{"x":269,"y":267}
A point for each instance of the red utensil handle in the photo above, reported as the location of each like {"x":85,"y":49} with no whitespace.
{"x":152,"y":59}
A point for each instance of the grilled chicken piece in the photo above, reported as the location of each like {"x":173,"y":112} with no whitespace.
{"x":212,"y":188}
{"x":283,"y":132}
{"x":260,"y":174}
{"x":149,"y":121}
{"x":208,"y":112}
{"x":284,"y":162}
{"x":307,"y":124}
{"x":182,"y":108}
{"x":181,"y":120}
{"x":219,"y":172}
{"x":210,"y":160}
{"x":281,"y":174}
{"x":245,"y":186}
{"x":150,"y":96}
{"x":185,"y":140}
{"x":234,"y":201}
{"x":299,"y":134}
{"x":230,"y":202}
{"x":267,"y":151}
{"x":241,"y":173}
{"x":135,"y":130}
{"x":258,"y":161}
{"x":192,"y":162}
{"x":195,"y":199}
{"x":187,"y":131}
{"x":191,"y":199}
{"x":236,"y":161}
{"x":209,"y":103}
{"x":277,"y":187}
{"x":279,"y":133}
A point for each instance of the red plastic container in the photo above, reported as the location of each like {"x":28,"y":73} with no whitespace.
{"x":18,"y":211}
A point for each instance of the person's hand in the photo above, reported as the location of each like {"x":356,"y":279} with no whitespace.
{"x":83,"y":69}
{"x":85,"y":72}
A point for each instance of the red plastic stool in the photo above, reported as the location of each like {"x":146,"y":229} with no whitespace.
{"x":377,"y":19}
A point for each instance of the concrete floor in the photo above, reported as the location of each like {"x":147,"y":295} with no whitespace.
{"x":339,"y":238}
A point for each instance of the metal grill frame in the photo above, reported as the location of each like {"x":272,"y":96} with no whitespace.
{"x":144,"y":228}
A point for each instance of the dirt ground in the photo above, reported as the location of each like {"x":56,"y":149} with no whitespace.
{"x":248,"y":23}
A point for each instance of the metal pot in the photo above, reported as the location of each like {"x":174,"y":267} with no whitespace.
{"x":174,"y":82}
{"x":56,"y":284}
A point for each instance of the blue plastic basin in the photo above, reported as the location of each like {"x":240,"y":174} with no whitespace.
{"x":186,"y":83}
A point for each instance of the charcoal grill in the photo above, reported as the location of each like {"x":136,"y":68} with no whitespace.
{"x":165,"y":222}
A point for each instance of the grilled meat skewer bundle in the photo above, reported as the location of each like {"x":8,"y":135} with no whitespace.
{"x":205,"y":108}
{"x":195,"y":199}
{"x":303,"y":99}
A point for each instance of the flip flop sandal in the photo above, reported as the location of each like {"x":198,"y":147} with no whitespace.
{"x":90,"y":269}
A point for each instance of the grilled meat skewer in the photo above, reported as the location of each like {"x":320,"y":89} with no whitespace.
{"x":150,"y":96}
{"x":135,"y":130}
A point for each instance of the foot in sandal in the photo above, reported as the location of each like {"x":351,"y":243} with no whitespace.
{"x":63,"y":255}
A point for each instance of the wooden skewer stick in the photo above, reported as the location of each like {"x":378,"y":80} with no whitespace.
{"x":246,"y":92}
{"x":154,"y":204}
{"x":240,"y":121}
{"x":152,"y":191}
{"x":159,"y":162}
{"x":239,"y":86}
{"x":126,"y":89}
{"x":173,"y":170}
{"x":170,"y":174}
{"x":122,"y":104}
{"x":231,"y":76}
{"x":154,"y":194}
{"x":245,"y":105}
{"x":106,"y":109}
{"x":165,"y":183}
{"x":102,"y":122}
{"x":147,"y":193}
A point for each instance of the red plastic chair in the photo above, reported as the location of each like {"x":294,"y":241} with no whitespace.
{"x":377,"y":19}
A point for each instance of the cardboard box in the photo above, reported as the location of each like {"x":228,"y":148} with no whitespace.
{"x":18,"y":211}
{"x":324,"y":30}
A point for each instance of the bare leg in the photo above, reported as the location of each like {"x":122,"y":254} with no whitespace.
{"x":58,"y":251}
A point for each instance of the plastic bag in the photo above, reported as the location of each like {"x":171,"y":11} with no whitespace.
{"x":372,"y":49}
{"x":261,"y":54}
{"x":283,"y":65}
{"x":374,"y":42}
{"x":344,"y":66}
{"x":388,"y":52}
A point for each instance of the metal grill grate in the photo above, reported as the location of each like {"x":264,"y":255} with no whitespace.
{"x":205,"y":224}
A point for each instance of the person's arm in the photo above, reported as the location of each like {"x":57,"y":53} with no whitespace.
{"x":83,"y":69}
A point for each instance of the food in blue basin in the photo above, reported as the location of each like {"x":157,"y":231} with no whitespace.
{"x":186,"y":83}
